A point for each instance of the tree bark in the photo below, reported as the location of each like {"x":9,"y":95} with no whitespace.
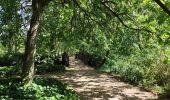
{"x":30,"y":48}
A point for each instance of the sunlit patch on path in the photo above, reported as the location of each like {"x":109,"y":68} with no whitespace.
{"x":93,"y":85}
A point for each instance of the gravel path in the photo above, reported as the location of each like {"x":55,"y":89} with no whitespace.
{"x":93,"y":85}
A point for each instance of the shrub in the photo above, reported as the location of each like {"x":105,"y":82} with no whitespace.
{"x":166,"y":92}
{"x":40,"y":89}
{"x":49,"y":68}
{"x":162,"y":73}
{"x":11,"y":59}
{"x":9,"y":70}
{"x":46,"y":63}
{"x":93,"y":60}
{"x":145,"y":68}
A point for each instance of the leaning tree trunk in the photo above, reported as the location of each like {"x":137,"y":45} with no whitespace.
{"x":30,"y":48}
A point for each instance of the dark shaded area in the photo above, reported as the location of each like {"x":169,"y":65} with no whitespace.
{"x":57,"y":60}
{"x":11,"y":59}
{"x":48,"y":63}
{"x":65,"y":59}
{"x":93,"y":60}
{"x":10,"y":64}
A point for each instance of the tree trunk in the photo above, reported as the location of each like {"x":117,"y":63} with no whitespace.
{"x":30,"y":48}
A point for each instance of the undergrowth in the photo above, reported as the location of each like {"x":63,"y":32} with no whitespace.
{"x":148,"y":69}
{"x":40,"y":89}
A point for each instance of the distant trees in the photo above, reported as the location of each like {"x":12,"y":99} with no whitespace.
{"x":10,"y":23}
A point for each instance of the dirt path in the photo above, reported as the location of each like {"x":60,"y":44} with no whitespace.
{"x":93,"y":85}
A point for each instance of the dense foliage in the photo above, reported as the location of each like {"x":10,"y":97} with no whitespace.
{"x":40,"y":89}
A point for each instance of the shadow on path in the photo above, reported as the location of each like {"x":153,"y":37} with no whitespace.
{"x":93,"y":85}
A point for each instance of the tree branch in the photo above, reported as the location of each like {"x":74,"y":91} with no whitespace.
{"x":118,"y":17}
{"x":87,"y":13}
{"x":165,"y":9}
{"x":109,"y":2}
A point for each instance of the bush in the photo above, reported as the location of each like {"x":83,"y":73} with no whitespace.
{"x":47,"y":63}
{"x":49,"y":68}
{"x":9,"y":70}
{"x":93,"y":60}
{"x":11,"y":59}
{"x":162,"y":73}
{"x":166,"y":92}
{"x":145,"y":68}
{"x":40,"y":89}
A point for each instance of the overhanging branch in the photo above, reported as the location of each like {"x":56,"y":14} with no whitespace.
{"x":118,"y":17}
{"x":165,"y":9}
